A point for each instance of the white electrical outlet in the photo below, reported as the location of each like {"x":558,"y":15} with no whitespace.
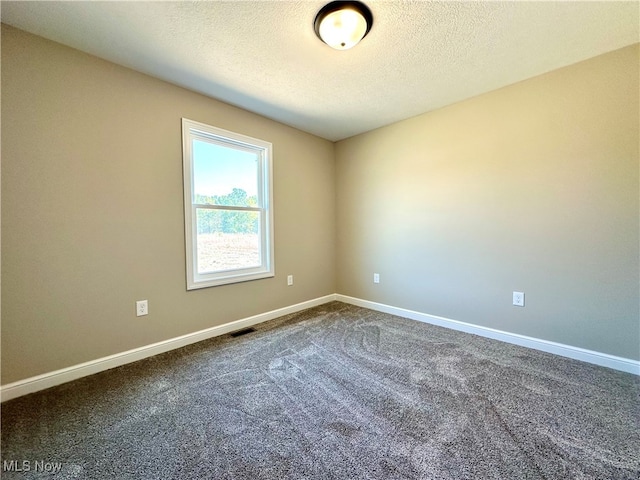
{"x":518,"y":299}
{"x":142,"y":308}
{"x":376,"y":278}
{"x":289,"y":280}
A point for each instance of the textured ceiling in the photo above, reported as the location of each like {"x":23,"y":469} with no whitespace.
{"x":264,"y":56}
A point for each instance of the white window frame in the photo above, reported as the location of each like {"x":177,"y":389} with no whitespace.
{"x":192,"y":130}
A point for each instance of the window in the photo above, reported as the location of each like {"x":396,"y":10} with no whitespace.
{"x":227,"y":206}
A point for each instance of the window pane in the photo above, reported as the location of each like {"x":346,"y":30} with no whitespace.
{"x":227,"y":240}
{"x":224,"y":175}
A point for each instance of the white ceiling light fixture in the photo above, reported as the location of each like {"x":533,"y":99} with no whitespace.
{"x":341,"y":25}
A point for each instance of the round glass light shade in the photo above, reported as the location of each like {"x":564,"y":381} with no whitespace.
{"x":341,"y":25}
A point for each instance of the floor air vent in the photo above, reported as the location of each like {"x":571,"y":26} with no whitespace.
{"x":244,"y":331}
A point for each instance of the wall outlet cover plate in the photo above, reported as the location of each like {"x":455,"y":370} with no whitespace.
{"x":518,"y":299}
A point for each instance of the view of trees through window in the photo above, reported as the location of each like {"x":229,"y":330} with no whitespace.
{"x":227,"y":239}
{"x":227,"y":221}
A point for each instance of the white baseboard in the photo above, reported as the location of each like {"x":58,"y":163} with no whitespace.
{"x":576,"y":353}
{"x":51,"y":379}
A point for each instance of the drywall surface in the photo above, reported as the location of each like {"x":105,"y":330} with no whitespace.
{"x":92,"y":210}
{"x":531,"y":188}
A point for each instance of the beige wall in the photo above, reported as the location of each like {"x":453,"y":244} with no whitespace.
{"x":92,"y":210}
{"x":530,"y":188}
{"x":533,"y":187}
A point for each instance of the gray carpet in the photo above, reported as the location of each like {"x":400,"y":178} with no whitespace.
{"x":334,"y":392}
